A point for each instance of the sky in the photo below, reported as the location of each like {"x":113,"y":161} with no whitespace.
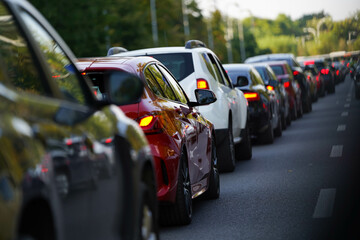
{"x":338,"y":9}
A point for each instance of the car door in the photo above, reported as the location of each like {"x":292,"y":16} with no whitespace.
{"x":50,"y":95}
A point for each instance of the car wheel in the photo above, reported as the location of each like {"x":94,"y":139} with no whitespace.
{"x":213,"y":191}
{"x":181,"y":212}
{"x":226,"y":152}
{"x":148,"y":229}
{"x":268,"y":136}
{"x":278,"y":129}
{"x":243,"y":150}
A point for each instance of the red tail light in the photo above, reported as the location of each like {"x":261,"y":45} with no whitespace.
{"x":286,"y":84}
{"x":309,"y":62}
{"x":348,"y":64}
{"x":270,"y":88}
{"x":252,"y":96}
{"x":83,"y":73}
{"x":108,"y":140}
{"x":308,"y":77}
{"x":296,"y":73}
{"x":202,"y":84}
{"x":317,"y":78}
{"x":337,"y":72}
{"x":69,"y":142}
{"x":325,"y":71}
{"x":150,"y":124}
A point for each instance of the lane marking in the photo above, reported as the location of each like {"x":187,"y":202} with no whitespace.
{"x":347,"y":105}
{"x":325,"y":203}
{"x":336,"y":151}
{"x":341,"y":127}
{"x":345,"y":114}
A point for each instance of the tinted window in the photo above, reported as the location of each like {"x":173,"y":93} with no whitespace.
{"x":175,"y":85}
{"x":164,"y":85}
{"x":15,"y":57}
{"x":256,"y":78}
{"x":263,"y":74}
{"x":62,"y":70}
{"x":278,"y":70}
{"x":237,"y":79}
{"x":152,"y":83}
{"x":179,"y":64}
{"x":217,"y":71}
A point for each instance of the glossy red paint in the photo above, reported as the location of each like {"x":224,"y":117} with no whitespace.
{"x":171,"y":127}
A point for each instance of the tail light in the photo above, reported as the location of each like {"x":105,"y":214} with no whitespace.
{"x":317,"y":78}
{"x":270,"y":88}
{"x":311,"y":62}
{"x":286,"y":84}
{"x":325,"y":71}
{"x":308,"y":77}
{"x":337,"y":72}
{"x":150,"y":124}
{"x":296,"y":73}
{"x":202,"y":84}
{"x":252,"y":96}
{"x":348,"y":64}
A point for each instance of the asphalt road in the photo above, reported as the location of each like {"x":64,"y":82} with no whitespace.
{"x":303,"y":186}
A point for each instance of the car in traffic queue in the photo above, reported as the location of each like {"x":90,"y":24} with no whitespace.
{"x":272,"y":83}
{"x":296,"y":71}
{"x":197,"y":67}
{"x":264,"y":109}
{"x":325,"y":71}
{"x":314,"y":73}
{"x":284,"y":75}
{"x":45,"y":103}
{"x":182,"y":141}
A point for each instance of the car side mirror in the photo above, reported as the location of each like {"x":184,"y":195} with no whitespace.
{"x":123,"y":88}
{"x":203,"y":97}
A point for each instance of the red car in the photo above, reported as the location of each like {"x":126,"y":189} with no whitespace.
{"x":182,"y":141}
{"x":284,"y":74}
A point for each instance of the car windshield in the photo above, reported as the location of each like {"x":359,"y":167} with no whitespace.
{"x":179,"y":64}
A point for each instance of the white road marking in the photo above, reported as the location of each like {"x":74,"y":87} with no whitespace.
{"x":345,"y":114}
{"x":347,"y":105}
{"x":336,"y":151}
{"x":325,"y":203}
{"x":341,"y":127}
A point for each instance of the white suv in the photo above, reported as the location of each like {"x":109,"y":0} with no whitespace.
{"x":196,"y":66}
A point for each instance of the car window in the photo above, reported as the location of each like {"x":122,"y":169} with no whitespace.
{"x":255,"y":78}
{"x":271,"y":74}
{"x":153,"y":84}
{"x":15,"y":57}
{"x":208,"y":64}
{"x":278,"y":69}
{"x":164,"y":85}
{"x":263,"y":73}
{"x":175,"y":85}
{"x":217,"y":71}
{"x":224,"y":74}
{"x":180,"y":64}
{"x":62,"y":69}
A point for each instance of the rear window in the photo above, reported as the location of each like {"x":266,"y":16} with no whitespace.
{"x":238,"y":79}
{"x":278,"y":70}
{"x":179,"y":64}
{"x":320,"y":65}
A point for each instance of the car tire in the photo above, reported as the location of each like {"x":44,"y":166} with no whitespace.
{"x":179,"y":213}
{"x":226,"y":152}
{"x":278,"y":129}
{"x":148,"y":222}
{"x":268,"y":136}
{"x":213,"y":191}
{"x":243,"y":150}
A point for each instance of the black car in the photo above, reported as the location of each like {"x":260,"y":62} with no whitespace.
{"x":325,"y":71}
{"x":265,"y":116}
{"x":297,"y":72}
{"x":56,"y":138}
{"x":272,"y":83}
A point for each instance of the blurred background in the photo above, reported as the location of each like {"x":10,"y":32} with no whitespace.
{"x":234,"y":30}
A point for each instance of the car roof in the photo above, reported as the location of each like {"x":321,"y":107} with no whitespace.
{"x":268,"y":57}
{"x":238,"y":66}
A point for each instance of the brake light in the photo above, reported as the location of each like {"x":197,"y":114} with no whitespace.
{"x":69,"y":142}
{"x":348,"y":64}
{"x":95,"y":93}
{"x":296,"y":73}
{"x":83,"y":73}
{"x":202,"y":84}
{"x":286,"y":84}
{"x":325,"y":71}
{"x":317,"y":78}
{"x":309,"y":62}
{"x":337,"y":72}
{"x":108,"y":140}
{"x":150,"y":124}
{"x":252,"y":96}
{"x":308,"y":77}
{"x":270,"y":88}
